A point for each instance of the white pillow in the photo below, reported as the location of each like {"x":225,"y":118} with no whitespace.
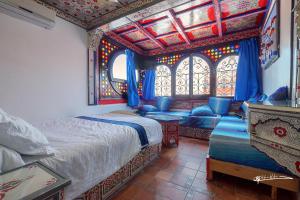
{"x":9,"y":159}
{"x":22,"y":137}
{"x":3,"y":116}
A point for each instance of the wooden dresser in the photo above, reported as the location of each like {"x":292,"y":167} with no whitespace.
{"x":275,"y":130}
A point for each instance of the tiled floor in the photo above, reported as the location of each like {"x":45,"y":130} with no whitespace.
{"x":179,"y":174}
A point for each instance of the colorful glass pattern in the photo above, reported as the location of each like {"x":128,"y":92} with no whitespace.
{"x":201,"y":76}
{"x":106,"y":50}
{"x":183,"y":77}
{"x":226,"y":76}
{"x":168,"y":60}
{"x":216,"y":54}
{"x":162,"y":81}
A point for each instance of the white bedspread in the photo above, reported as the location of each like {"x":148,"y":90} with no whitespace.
{"x":87,"y":152}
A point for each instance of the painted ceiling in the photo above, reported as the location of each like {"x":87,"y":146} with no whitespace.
{"x":153,"y":27}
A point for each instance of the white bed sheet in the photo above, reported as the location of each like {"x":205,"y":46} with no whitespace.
{"x":87,"y":152}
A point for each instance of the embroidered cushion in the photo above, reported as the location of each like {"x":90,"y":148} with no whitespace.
{"x":203,"y":110}
{"x":219,"y":105}
{"x":280,"y":94}
{"x":163,"y":103}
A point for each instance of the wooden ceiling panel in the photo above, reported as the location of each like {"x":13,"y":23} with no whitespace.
{"x":172,"y":39}
{"x":135,"y":36}
{"x":85,"y":10}
{"x":147,"y":45}
{"x":236,"y":7}
{"x":163,"y":27}
{"x":197,"y":16}
{"x":203,"y":32}
{"x":242,"y":23}
{"x":191,"y":5}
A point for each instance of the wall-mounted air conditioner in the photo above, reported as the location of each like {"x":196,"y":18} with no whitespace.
{"x":30,"y":11}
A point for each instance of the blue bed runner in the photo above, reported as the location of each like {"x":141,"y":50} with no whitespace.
{"x":139,"y":129}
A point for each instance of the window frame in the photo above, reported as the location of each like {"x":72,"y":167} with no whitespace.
{"x":171,"y":74}
{"x":191,"y":95}
{"x":216,"y":66}
{"x":110,"y":66}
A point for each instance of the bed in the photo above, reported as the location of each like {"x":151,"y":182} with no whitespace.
{"x":230,"y":153}
{"x":90,"y":151}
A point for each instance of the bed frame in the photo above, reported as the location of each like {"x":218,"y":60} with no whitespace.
{"x":250,"y":173}
{"x":113,"y":183}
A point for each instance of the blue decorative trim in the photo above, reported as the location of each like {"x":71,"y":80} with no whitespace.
{"x":140,"y":129}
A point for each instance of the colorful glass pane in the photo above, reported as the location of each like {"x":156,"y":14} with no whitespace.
{"x":226,"y":76}
{"x":201,"y":76}
{"x":183,"y":77}
{"x":162,"y":81}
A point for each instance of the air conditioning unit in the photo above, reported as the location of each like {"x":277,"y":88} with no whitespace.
{"x":30,"y":11}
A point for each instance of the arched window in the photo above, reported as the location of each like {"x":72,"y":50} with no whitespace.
{"x":183,"y":77}
{"x":162,"y":81}
{"x":201,"y":76}
{"x":226,"y":76}
{"x":119,"y":68}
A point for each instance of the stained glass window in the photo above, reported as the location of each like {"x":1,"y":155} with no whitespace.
{"x":183,"y":77}
{"x":162,"y":81}
{"x":226,"y":76}
{"x":201,"y":76}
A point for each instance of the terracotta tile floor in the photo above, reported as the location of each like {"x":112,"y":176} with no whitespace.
{"x":179,"y":174}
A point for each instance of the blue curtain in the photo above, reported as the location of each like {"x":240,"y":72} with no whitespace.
{"x":133,"y":97}
{"x":248,"y":78}
{"x":149,"y":84}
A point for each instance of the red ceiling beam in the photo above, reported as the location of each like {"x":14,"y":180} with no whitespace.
{"x":145,"y":32}
{"x":207,"y":42}
{"x":124,"y":42}
{"x":172,"y":16}
{"x":218,"y":17}
{"x":207,"y":24}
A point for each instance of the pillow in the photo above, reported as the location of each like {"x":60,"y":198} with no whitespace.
{"x":219,"y":106}
{"x":3,"y":116}
{"x":22,"y":137}
{"x":9,"y":159}
{"x":263,"y":97}
{"x":244,"y":107}
{"x":280,"y":94}
{"x":203,"y":110}
{"x":148,"y":108}
{"x":163,"y":103}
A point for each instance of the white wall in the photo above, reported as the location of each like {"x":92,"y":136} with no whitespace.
{"x":43,"y":73}
{"x":278,"y":74}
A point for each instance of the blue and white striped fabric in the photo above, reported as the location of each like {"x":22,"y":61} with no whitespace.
{"x":140,"y":129}
{"x":230,"y":142}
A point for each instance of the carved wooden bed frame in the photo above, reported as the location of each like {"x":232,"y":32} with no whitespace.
{"x":113,"y":183}
{"x":249,"y":173}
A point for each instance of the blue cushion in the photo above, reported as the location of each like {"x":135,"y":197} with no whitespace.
{"x":244,"y":107}
{"x":148,"y":108}
{"x":280,"y":94}
{"x":219,"y":106}
{"x":263,"y":97}
{"x":203,"y":110}
{"x":163,"y":103}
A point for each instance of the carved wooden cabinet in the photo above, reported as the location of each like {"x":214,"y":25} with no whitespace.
{"x":275,"y":130}
{"x":170,"y":128}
